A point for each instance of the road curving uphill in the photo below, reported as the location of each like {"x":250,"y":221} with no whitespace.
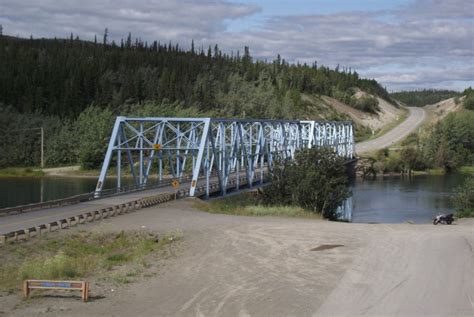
{"x":415,"y":118}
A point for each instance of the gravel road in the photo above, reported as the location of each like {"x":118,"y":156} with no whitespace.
{"x":265,"y":266}
{"x":415,"y":118}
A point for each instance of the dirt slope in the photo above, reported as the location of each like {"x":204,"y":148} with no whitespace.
{"x":387,"y":114}
{"x":440,"y":110}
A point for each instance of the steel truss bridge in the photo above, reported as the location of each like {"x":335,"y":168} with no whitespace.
{"x":207,"y":149}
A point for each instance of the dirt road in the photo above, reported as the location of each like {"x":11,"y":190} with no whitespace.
{"x":250,"y":266}
{"x":415,"y":118}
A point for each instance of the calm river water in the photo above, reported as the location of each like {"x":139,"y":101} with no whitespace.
{"x":402,"y":199}
{"x":387,"y":200}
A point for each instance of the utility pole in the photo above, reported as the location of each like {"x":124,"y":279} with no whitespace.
{"x":42,"y":147}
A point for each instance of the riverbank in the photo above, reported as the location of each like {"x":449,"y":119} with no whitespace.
{"x":237,"y":265}
{"x":21,"y":172}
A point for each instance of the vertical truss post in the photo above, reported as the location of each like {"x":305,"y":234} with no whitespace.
{"x":108,"y":156}
{"x":234,"y":145}
{"x":119,"y":162}
{"x":140,"y":166}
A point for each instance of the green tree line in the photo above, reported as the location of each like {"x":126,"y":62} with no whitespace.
{"x":448,"y":144}
{"x":64,"y":76}
{"x":421,"y":98}
{"x":75,"y":88}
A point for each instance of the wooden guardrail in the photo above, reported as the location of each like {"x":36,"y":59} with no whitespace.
{"x":112,"y":211}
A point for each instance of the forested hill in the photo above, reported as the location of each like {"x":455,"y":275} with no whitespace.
{"x":62,"y":77}
{"x":421,"y":98}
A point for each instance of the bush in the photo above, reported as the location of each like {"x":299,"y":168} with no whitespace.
{"x":463,"y":199}
{"x":469,"y":103}
{"x":367,"y":104}
{"x":411,"y":159}
{"x":315,"y":180}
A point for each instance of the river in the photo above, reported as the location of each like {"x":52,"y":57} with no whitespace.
{"x":401,"y":199}
{"x":383,"y":200}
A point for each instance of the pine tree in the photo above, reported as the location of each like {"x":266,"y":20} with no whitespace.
{"x":106,"y":34}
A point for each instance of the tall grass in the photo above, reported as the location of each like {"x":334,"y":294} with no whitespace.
{"x":247,"y":204}
{"x":76,"y":256}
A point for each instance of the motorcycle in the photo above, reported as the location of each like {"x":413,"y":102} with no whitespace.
{"x":445,"y":219}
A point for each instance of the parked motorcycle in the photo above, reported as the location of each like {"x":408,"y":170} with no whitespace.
{"x":445,"y":219}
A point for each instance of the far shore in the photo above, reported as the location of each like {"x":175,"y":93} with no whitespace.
{"x":76,"y":172}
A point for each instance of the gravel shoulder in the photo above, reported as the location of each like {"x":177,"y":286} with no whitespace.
{"x":263,"y":266}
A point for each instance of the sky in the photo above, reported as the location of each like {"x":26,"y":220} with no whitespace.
{"x":403,"y":44}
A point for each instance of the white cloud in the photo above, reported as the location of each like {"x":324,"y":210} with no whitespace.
{"x":434,"y":35}
{"x":148,"y":19}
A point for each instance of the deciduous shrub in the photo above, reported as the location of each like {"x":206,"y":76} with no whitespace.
{"x":315,"y":180}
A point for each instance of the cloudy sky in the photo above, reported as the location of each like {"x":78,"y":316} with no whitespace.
{"x":404,"y":44}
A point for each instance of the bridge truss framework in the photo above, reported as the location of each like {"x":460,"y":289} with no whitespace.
{"x":196,"y":149}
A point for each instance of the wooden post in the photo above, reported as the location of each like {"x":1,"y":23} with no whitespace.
{"x":26,"y":290}
{"x":85,"y":292}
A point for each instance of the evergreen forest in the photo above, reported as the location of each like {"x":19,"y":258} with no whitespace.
{"x":421,"y":98}
{"x":74,"y":89}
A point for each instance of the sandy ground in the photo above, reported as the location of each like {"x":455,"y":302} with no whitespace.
{"x":388,"y":113}
{"x":250,"y":266}
{"x":60,"y":171}
{"x":440,"y":110}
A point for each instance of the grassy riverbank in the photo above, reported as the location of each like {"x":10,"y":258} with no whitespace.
{"x":246,"y":204}
{"x":21,"y":172}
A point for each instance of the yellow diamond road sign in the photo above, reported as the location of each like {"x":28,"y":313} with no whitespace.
{"x":175,"y":184}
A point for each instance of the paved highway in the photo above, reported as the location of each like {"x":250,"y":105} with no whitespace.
{"x":415,"y":118}
{"x":30,"y":219}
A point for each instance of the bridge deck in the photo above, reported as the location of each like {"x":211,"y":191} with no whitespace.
{"x":25,"y":220}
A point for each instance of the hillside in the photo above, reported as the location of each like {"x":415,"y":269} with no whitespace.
{"x":64,"y":76}
{"x":440,"y":110}
{"x":74,"y":89}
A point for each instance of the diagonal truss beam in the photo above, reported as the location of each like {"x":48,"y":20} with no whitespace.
{"x":196,"y":149}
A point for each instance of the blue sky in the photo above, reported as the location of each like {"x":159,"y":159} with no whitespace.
{"x":404,"y":44}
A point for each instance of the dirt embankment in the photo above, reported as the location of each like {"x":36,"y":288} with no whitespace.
{"x":388,"y":113}
{"x":440,"y":110}
{"x":250,"y":266}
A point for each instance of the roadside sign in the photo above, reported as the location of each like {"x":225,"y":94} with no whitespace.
{"x":175,"y":184}
{"x":82,"y":286}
